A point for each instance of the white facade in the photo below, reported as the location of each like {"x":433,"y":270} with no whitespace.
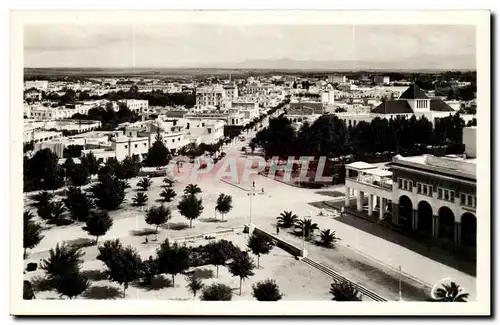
{"x":135,"y":105}
{"x":211,"y":95}
{"x":38,"y":84}
{"x":470,"y":142}
{"x":335,"y":79}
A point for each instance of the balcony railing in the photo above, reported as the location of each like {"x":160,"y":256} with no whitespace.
{"x":383,"y":183}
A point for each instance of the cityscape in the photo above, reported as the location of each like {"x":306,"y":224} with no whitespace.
{"x":287,"y":174}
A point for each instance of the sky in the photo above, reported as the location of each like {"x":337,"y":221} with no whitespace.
{"x":194,"y":45}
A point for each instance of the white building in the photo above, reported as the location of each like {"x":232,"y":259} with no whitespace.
{"x":135,"y":105}
{"x":37,"y":84}
{"x":336,"y":79}
{"x":382,"y":80}
{"x":210,"y":95}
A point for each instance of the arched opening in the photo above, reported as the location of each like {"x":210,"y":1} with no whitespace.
{"x":405,"y":212}
{"x":469,"y":229}
{"x":425,"y":217}
{"x":446,"y":223}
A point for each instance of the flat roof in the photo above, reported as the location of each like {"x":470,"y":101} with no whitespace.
{"x":360,"y":165}
{"x":379,"y":172}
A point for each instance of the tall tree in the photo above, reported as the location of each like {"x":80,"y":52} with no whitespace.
{"x":172,"y":258}
{"x":124,"y":267}
{"x":71,"y":284}
{"x":168,"y":194}
{"x":306,"y":227}
{"x":242,"y":266}
{"x":224,"y":204}
{"x":259,"y":244}
{"x":98,"y":224}
{"x":62,"y":260}
{"x":77,"y":203}
{"x":79,"y":175}
{"x":109,"y":193}
{"x":157,"y":155}
{"x":190,"y":207}
{"x":158,"y":216}
{"x":130,"y":167}
{"x":90,"y":162}
{"x":219,"y":252}
{"x":109,"y":249}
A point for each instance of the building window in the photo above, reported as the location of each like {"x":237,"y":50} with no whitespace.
{"x":135,"y":145}
{"x":126,"y":146}
{"x":440,"y":193}
{"x":462,"y":199}
{"x":145,"y":144}
{"x":419,"y":188}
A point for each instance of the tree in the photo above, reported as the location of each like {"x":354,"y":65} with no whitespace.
{"x":168,"y":194}
{"x":266,"y":290}
{"x":192,"y":190}
{"x":328,"y":238}
{"x":287,"y":219}
{"x":28,"y":215}
{"x":157,"y":155}
{"x":71,"y":284}
{"x":109,"y":193}
{"x":451,"y":293}
{"x":190,"y":207}
{"x":32,"y":233}
{"x":344,"y":291}
{"x":306,"y":227}
{"x":130,"y":167}
{"x":58,"y":210}
{"x":144,"y":183}
{"x":217,"y":292}
{"x":194,"y":284}
{"x":158,"y":216}
{"x":42,"y":198}
{"x":98,"y":224}
{"x":109,"y":249}
{"x":62,"y":260}
{"x":219,"y":252}
{"x":242,"y":266}
{"x":77,"y":203}
{"x":172,"y":258}
{"x":140,"y":199}
{"x":42,"y":171}
{"x":124,"y":267}
{"x":79,"y":175}
{"x":224,"y":204}
{"x":149,"y":269}
{"x":90,"y":162}
{"x":252,"y":146}
{"x":259,"y":244}
{"x":168,"y":182}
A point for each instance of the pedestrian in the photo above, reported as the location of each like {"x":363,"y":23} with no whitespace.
{"x":262,"y":190}
{"x":253,"y":184}
{"x":146,"y":241}
{"x":342,"y":211}
{"x":277,"y":230}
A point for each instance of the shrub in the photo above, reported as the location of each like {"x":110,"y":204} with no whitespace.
{"x":217,"y":292}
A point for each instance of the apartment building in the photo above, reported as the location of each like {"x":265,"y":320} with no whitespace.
{"x":210,"y":95}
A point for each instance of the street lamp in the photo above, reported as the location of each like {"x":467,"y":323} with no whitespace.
{"x":400,"y":294}
{"x":251,"y":194}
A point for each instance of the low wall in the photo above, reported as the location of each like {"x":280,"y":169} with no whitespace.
{"x":295,"y":251}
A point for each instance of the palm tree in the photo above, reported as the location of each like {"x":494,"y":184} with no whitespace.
{"x":287,"y":219}
{"x":224,"y":204}
{"x":168,"y":182}
{"x":192,"y":189}
{"x":42,"y":198}
{"x":168,"y":194}
{"x":58,"y":209}
{"x":344,"y":291}
{"x":306,"y":227}
{"x":145,"y":183}
{"x":140,"y":199}
{"x":451,"y":293}
{"x":328,"y":238}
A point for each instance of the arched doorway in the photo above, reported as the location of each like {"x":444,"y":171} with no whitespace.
{"x":405,"y":212}
{"x":425,"y":217}
{"x":469,"y":229}
{"x":446,"y":223}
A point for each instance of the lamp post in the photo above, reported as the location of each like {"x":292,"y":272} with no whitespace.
{"x":400,"y":294}
{"x":250,"y":194}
